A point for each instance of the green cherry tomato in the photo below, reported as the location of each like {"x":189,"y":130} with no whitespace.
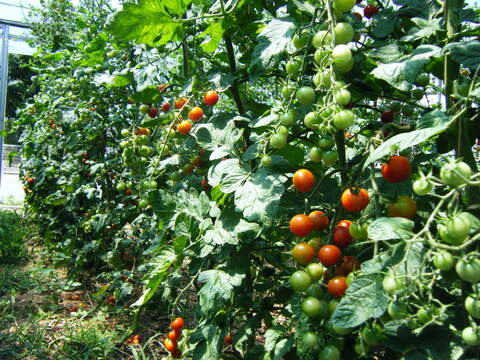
{"x":315,"y":270}
{"x":343,"y":68}
{"x":470,"y":336}
{"x":315,"y":154}
{"x":424,"y":315}
{"x":266,"y":160}
{"x":361,"y":348}
{"x":305,"y":95}
{"x":392,"y":284}
{"x":358,"y":231}
{"x":300,"y":280}
{"x":458,"y":227}
{"x":397,"y":310}
{"x":442,"y":231}
{"x":326,"y":142}
{"x":418,"y":94}
{"x":313,"y":307}
{"x":316,"y":243}
{"x":330,"y":157}
{"x":342,"y":97}
{"x":455,"y":174}
{"x":343,"y":119}
{"x":311,"y":120}
{"x":329,"y":352}
{"x":288,"y":118}
{"x":342,"y":331}
{"x":472,"y":305}
{"x":143,"y":203}
{"x":125,"y":132}
{"x":321,"y":39}
{"x":310,"y":339}
{"x":300,"y":40}
{"x":422,"y":186}
{"x":343,"y":33}
{"x":287,"y":91}
{"x":293,"y":66}
{"x":283,"y":130}
{"x":341,"y":55}
{"x":443,"y":261}
{"x":121,"y":186}
{"x":320,"y":56}
{"x":468,"y":270}
{"x":343,"y":5}
{"x":315,"y":290}
{"x":323,"y":79}
{"x":278,"y":141}
{"x":422,"y":80}
{"x":370,"y":336}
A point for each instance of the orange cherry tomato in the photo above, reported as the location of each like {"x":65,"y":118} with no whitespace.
{"x":404,"y":206}
{"x":177,"y":324}
{"x":170,"y":345}
{"x":303,"y":253}
{"x":303,"y":180}
{"x":179,"y":103}
{"x":227,"y":339}
{"x":301,"y":225}
{"x":195,"y":114}
{"x":320,"y":220}
{"x":174,"y":335}
{"x":184,"y":127}
{"x":355,"y":199}
{"x":210,"y":98}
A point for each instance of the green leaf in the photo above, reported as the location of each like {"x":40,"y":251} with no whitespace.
{"x":272,"y":41}
{"x":147,"y":95}
{"x":209,"y":339}
{"x":466,"y":53}
{"x":221,"y":81}
{"x":304,"y":7}
{"x":271,"y":337}
{"x":213,"y":35}
{"x":424,"y":29}
{"x":384,"y":23}
{"x":384,"y":229}
{"x":218,"y":289}
{"x":147,"y":22}
{"x":294,"y":154}
{"x":363,"y":300}
{"x":229,"y":228}
{"x":229,"y":174}
{"x":406,"y":140}
{"x":162,"y":262}
{"x":387,"y":54}
{"x":259,"y":197}
{"x":283,"y":347}
{"x":401,"y":74}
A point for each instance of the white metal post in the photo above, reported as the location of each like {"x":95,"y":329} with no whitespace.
{"x":3,"y":88}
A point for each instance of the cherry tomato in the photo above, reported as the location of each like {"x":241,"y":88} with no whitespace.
{"x":184,"y":127}
{"x":210,"y":98}
{"x":443,"y":261}
{"x":343,"y":119}
{"x":422,"y":186}
{"x":355,"y":199}
{"x":359,"y":231}
{"x":278,"y":141}
{"x":370,"y":336}
{"x":330,"y":352}
{"x":174,"y":335}
{"x":343,"y":33}
{"x":315,"y":270}
{"x":404,"y":207}
{"x":319,"y":219}
{"x":153,"y":112}
{"x":392,"y":284}
{"x":312,"y":307}
{"x":301,"y":225}
{"x":303,"y":253}
{"x":387,"y":116}
{"x":176,"y":354}
{"x":165,"y":107}
{"x":345,"y":223}
{"x":179,"y":103}
{"x":458,"y":227}
{"x":195,"y":114}
{"x":303,"y":180}
{"x":342,"y":237}
{"x":468,"y":270}
{"x":310,"y":339}
{"x":342,"y":96}
{"x":329,"y":255}
{"x":349,"y":264}
{"x":472,"y":305}
{"x":227,"y":339}
{"x":337,"y":286}
{"x":343,"y":5}
{"x":470,"y":336}
{"x":397,"y":169}
{"x":170,"y":345}
{"x":305,"y":95}
{"x":177,"y":324}
{"x":369,"y":11}
{"x":188,"y":169}
{"x":455,"y":173}
{"x":361,"y":348}
{"x":300,"y":280}
{"x":266,"y":160}
{"x":316,"y":243}
{"x":397,"y":310}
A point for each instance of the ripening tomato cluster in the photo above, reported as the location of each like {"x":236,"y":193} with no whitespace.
{"x":170,"y":341}
{"x":134,"y":340}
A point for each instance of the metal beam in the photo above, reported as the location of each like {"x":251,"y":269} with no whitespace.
{"x":19,"y":24}
{"x":3,"y":87}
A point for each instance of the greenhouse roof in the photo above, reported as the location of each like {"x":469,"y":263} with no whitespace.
{"x":15,"y":14}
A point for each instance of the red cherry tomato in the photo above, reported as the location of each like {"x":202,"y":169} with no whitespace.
{"x":369,"y":11}
{"x":337,"y":286}
{"x":301,"y":225}
{"x":397,"y":169}
{"x":153,"y":112}
{"x":342,"y":237}
{"x":165,"y":107}
{"x":227,"y":339}
{"x":177,"y":324}
{"x":319,"y":219}
{"x":303,"y":180}
{"x":387,"y":116}
{"x":174,"y":335}
{"x":195,"y":114}
{"x":344,"y":223}
{"x":349,"y":264}
{"x":176,"y":354}
{"x":210,"y":98}
{"x":329,"y":255}
{"x":355,"y":199}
